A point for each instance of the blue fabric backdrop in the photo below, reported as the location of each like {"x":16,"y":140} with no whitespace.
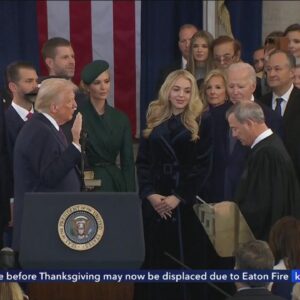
{"x":246,"y":24}
{"x":160,"y":23}
{"x":18,"y":35}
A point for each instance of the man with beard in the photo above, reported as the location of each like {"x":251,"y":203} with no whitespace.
{"x":59,"y":57}
{"x":22,"y":80}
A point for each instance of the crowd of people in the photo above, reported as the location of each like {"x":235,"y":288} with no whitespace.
{"x":220,"y":129}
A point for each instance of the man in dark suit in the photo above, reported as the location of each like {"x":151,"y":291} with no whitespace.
{"x":185,"y":35}
{"x":241,"y":84}
{"x":59,"y":57}
{"x":254,"y":255}
{"x":285,"y":100}
{"x":22,"y":80}
{"x":43,"y":160}
{"x":268,"y":189}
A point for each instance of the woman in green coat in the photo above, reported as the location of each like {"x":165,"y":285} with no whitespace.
{"x":108,"y":133}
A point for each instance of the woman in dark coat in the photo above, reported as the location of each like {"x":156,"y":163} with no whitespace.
{"x":173,"y":166}
{"x":215,"y":97}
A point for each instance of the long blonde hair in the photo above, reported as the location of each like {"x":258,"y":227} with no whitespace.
{"x":160,"y":110}
{"x":192,"y":64}
{"x":11,"y":291}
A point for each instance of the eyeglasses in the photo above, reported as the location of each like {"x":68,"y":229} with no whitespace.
{"x":226,"y":58}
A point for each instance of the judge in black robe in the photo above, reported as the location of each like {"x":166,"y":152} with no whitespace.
{"x":268,"y":189}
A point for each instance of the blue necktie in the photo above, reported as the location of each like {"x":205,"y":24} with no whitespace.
{"x":278,"y":106}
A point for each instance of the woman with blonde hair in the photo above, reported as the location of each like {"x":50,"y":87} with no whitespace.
{"x":200,"y":60}
{"x":213,"y":91}
{"x":173,"y":166}
{"x":215,"y":98}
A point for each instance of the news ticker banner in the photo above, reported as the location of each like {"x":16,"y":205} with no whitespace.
{"x":175,"y":276}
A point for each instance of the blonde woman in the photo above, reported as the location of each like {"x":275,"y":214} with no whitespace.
{"x":173,"y":166}
{"x":214,"y":96}
{"x":213,"y":91}
{"x":11,"y":291}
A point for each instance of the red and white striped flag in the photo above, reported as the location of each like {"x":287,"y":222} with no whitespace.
{"x":108,"y":30}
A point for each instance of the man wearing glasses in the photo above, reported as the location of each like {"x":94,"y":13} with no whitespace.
{"x":227,"y":51}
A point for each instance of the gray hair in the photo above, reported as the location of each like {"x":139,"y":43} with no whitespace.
{"x":246,"y":110}
{"x":290,"y":57}
{"x":243,"y":66}
{"x":51,"y":91}
{"x":254,"y":255}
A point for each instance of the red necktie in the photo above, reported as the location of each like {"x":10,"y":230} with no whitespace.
{"x":63,"y":137}
{"x":29,"y":115}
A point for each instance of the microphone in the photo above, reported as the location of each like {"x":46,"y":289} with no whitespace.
{"x":82,"y":140}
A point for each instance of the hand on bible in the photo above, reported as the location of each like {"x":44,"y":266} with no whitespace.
{"x":76,"y":129}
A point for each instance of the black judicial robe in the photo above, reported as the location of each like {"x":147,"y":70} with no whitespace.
{"x":268,"y":189}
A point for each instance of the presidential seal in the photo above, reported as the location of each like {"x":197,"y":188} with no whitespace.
{"x":80,"y":227}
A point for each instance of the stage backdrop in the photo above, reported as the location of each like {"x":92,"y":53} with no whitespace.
{"x":137,"y":38}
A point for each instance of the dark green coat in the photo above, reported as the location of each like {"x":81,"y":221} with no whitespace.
{"x":109,"y":135}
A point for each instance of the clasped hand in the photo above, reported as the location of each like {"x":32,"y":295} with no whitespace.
{"x":164,"y":205}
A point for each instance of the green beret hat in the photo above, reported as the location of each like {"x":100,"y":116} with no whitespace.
{"x":91,"y":71}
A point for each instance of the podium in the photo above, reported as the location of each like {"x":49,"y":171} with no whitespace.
{"x":118,"y":236}
{"x":121,"y":246}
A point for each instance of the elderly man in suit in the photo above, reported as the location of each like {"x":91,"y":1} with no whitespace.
{"x":285,"y":100}
{"x":43,"y":160}
{"x":268,"y":188}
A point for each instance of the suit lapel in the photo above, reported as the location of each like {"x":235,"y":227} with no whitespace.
{"x":53,"y":129}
